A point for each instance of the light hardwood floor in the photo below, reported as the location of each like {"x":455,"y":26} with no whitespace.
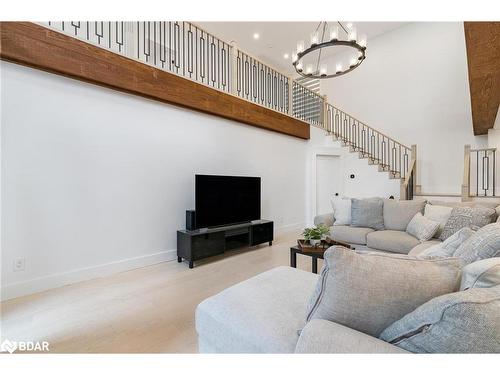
{"x":146,"y":310}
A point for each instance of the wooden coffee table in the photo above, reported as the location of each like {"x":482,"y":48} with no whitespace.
{"x":294,"y":250}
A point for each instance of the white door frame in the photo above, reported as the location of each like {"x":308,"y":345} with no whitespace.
{"x":324,"y":151}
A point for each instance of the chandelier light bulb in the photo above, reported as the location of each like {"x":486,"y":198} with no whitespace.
{"x":362,"y":40}
{"x":309,"y":69}
{"x":352,"y":36}
{"x":323,"y":70}
{"x":334,"y":33}
{"x":314,"y":38}
{"x":300,"y":46}
{"x":338,"y":68}
{"x":353,"y":62}
{"x":299,"y":66}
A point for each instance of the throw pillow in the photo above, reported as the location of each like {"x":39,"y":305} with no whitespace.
{"x":461,"y":217}
{"x":422,"y":228}
{"x":448,"y":247}
{"x":484,"y":273}
{"x":367,"y":291}
{"x":397,"y":214}
{"x":367,"y":213}
{"x":485,"y":243}
{"x":341,"y":210}
{"x":463,"y":322}
{"x":440,"y":214}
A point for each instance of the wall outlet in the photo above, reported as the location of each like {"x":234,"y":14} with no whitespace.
{"x":19,"y":264}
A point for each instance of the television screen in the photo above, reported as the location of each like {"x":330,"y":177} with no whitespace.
{"x":222,"y":200}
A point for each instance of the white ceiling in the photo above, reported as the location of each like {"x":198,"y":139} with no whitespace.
{"x":278,"y":38}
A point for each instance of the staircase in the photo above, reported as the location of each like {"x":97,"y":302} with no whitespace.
{"x":389,"y":155}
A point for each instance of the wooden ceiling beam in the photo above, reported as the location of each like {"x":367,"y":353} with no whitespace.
{"x":35,"y":46}
{"x":483,"y":59}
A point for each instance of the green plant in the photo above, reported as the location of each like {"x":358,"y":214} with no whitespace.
{"x":315,"y":233}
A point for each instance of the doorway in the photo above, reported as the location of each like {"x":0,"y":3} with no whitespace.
{"x":328,"y":182}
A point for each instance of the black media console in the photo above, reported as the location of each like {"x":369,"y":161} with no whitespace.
{"x":193,"y":245}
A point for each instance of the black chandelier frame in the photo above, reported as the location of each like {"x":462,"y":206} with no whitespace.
{"x":331,"y":43}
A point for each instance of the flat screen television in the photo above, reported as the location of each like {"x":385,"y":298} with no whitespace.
{"x":223,"y":200}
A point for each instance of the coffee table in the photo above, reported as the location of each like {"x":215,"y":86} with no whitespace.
{"x":294,"y":250}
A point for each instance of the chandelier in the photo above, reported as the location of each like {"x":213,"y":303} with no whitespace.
{"x":318,"y":61}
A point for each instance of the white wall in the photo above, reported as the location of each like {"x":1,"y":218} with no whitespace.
{"x":96,"y":181}
{"x":414,"y":87}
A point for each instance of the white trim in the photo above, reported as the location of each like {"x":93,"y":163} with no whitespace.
{"x":43,"y":283}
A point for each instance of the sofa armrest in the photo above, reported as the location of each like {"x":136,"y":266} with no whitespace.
{"x":325,"y":219}
{"x":323,"y":336}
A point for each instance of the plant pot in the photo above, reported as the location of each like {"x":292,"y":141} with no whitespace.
{"x":314,"y":242}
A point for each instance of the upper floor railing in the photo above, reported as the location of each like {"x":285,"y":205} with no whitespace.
{"x":480,"y":173}
{"x":187,"y":50}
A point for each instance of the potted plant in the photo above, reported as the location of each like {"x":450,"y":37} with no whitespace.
{"x":315,"y":234}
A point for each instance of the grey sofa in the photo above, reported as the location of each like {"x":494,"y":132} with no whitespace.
{"x":266,"y":314}
{"x":394,"y":238}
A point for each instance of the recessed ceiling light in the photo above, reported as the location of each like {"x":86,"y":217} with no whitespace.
{"x":285,"y":56}
{"x":256,"y":36}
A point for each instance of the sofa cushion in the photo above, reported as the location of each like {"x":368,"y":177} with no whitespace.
{"x":323,"y":336}
{"x":341,"y":210}
{"x":440,"y":214}
{"x":397,"y":214}
{"x":448,"y":247}
{"x":485,"y":243}
{"x":462,"y":322}
{"x":324,"y":219}
{"x":367,"y":213}
{"x":422,"y":228}
{"x":354,"y":235}
{"x":484,"y":273}
{"x":259,"y":315}
{"x":369,"y":291}
{"x":391,"y":240}
{"x":423,"y":246}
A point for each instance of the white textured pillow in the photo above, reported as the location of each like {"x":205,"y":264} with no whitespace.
{"x":341,"y":210}
{"x":447,"y":248}
{"x":440,"y":214}
{"x":485,"y":243}
{"x":484,"y":273}
{"x":422,"y":228}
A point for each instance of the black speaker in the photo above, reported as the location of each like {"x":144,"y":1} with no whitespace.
{"x":190,"y":220}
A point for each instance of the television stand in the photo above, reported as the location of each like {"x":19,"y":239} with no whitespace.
{"x":193,"y":245}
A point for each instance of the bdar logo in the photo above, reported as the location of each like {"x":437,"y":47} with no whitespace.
{"x":8,"y":346}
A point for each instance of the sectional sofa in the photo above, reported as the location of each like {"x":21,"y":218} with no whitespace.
{"x":394,"y":238}
{"x":267,"y":313}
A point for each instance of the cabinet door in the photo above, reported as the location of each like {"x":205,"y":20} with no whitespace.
{"x":208,"y":244}
{"x":261,"y":233}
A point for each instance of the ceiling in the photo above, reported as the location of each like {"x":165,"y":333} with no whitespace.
{"x":279,"y":38}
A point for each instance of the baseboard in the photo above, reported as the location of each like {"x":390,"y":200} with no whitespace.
{"x":57,"y":280}
{"x":40,"y":284}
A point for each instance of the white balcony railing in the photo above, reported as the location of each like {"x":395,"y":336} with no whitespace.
{"x":187,"y":50}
